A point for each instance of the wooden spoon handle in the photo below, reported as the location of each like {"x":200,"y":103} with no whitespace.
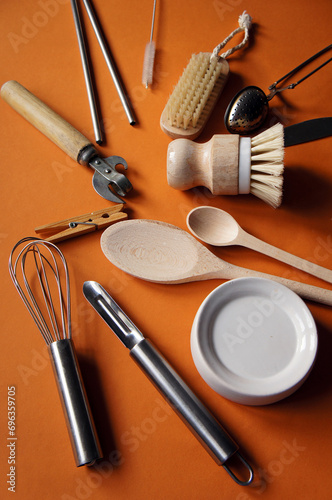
{"x":250,"y":241}
{"x":310,"y":292}
{"x":44,"y":119}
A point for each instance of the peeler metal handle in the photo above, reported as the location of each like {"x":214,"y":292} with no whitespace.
{"x":180,"y":397}
{"x":79,"y":421}
{"x":188,"y":407}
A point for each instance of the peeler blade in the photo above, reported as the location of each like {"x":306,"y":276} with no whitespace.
{"x":112,"y":314}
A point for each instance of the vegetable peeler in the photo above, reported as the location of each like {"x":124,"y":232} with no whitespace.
{"x":70,"y":141}
{"x":189,"y":408}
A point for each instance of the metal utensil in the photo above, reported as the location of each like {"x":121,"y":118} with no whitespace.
{"x":110,"y":63}
{"x":72,"y":142}
{"x":248,"y":109}
{"x":163,"y":253}
{"x":86,"y":67}
{"x":217,"y":227}
{"x":42,"y":269}
{"x":184,"y":402}
{"x":87,"y":73}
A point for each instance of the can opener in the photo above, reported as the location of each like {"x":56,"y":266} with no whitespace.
{"x":107,"y":181}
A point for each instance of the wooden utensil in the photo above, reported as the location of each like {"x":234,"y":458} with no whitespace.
{"x":70,"y":140}
{"x":163,"y":253}
{"x":217,"y":227}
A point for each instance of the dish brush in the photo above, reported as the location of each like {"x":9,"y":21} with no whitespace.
{"x":199,"y":88}
{"x":150,"y":50}
{"x":230,"y":164}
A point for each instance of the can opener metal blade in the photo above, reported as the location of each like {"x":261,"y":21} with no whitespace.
{"x":107,"y":181}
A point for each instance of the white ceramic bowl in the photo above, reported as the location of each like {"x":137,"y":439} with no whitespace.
{"x":254,"y":341}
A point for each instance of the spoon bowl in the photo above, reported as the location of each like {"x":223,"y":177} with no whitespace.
{"x":217,"y":227}
{"x":213,"y":226}
{"x":162,"y":253}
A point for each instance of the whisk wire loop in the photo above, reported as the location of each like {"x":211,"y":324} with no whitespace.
{"x":34,"y":309}
{"x":47,"y":268}
{"x":44,"y":286}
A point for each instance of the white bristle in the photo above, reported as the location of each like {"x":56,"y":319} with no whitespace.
{"x":267,"y":154}
{"x":274,"y":133}
{"x":147,"y":75}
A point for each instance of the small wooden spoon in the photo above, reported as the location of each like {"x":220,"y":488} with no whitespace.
{"x":216,"y":227}
{"x":163,"y":253}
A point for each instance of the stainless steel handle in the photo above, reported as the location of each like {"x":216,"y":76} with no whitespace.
{"x":184,"y":402}
{"x":79,"y":421}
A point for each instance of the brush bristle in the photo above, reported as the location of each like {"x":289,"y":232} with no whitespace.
{"x":147,"y":74}
{"x":193,"y":90}
{"x":267,"y":155}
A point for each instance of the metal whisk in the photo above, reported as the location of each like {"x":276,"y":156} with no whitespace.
{"x":40,"y":274}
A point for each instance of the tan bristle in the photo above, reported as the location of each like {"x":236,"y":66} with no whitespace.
{"x":274,"y":169}
{"x":269,"y":194}
{"x":267,"y":154}
{"x":270,"y":138}
{"x":193,"y":90}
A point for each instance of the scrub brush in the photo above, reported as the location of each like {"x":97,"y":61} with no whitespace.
{"x":199,"y":88}
{"x":150,"y":49}
{"x":230,"y":164}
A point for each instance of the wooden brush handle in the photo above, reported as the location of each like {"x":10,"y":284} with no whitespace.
{"x":45,"y":119}
{"x":214,"y":164}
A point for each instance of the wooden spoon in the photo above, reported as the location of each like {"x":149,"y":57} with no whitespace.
{"x":163,"y":253}
{"x":216,"y":227}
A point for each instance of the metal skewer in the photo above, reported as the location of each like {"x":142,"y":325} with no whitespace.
{"x":110,"y":63}
{"x":87,"y":73}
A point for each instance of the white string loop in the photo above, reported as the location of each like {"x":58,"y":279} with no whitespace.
{"x":245,"y":22}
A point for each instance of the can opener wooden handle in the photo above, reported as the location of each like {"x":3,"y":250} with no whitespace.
{"x":72,"y":142}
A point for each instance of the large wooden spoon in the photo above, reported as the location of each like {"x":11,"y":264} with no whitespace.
{"x":163,"y":253}
{"x":217,"y":227}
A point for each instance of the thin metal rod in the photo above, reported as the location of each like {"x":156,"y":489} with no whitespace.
{"x":275,"y":91}
{"x":153,"y":17}
{"x":87,"y":73}
{"x":110,"y":63}
{"x":312,"y":58}
{"x":311,"y":73}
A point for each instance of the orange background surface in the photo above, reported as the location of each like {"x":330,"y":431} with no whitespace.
{"x":289,"y":443}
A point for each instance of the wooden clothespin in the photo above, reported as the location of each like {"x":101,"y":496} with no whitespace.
{"x":81,"y":224}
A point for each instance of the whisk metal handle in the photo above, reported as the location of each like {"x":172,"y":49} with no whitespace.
{"x":79,"y":420}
